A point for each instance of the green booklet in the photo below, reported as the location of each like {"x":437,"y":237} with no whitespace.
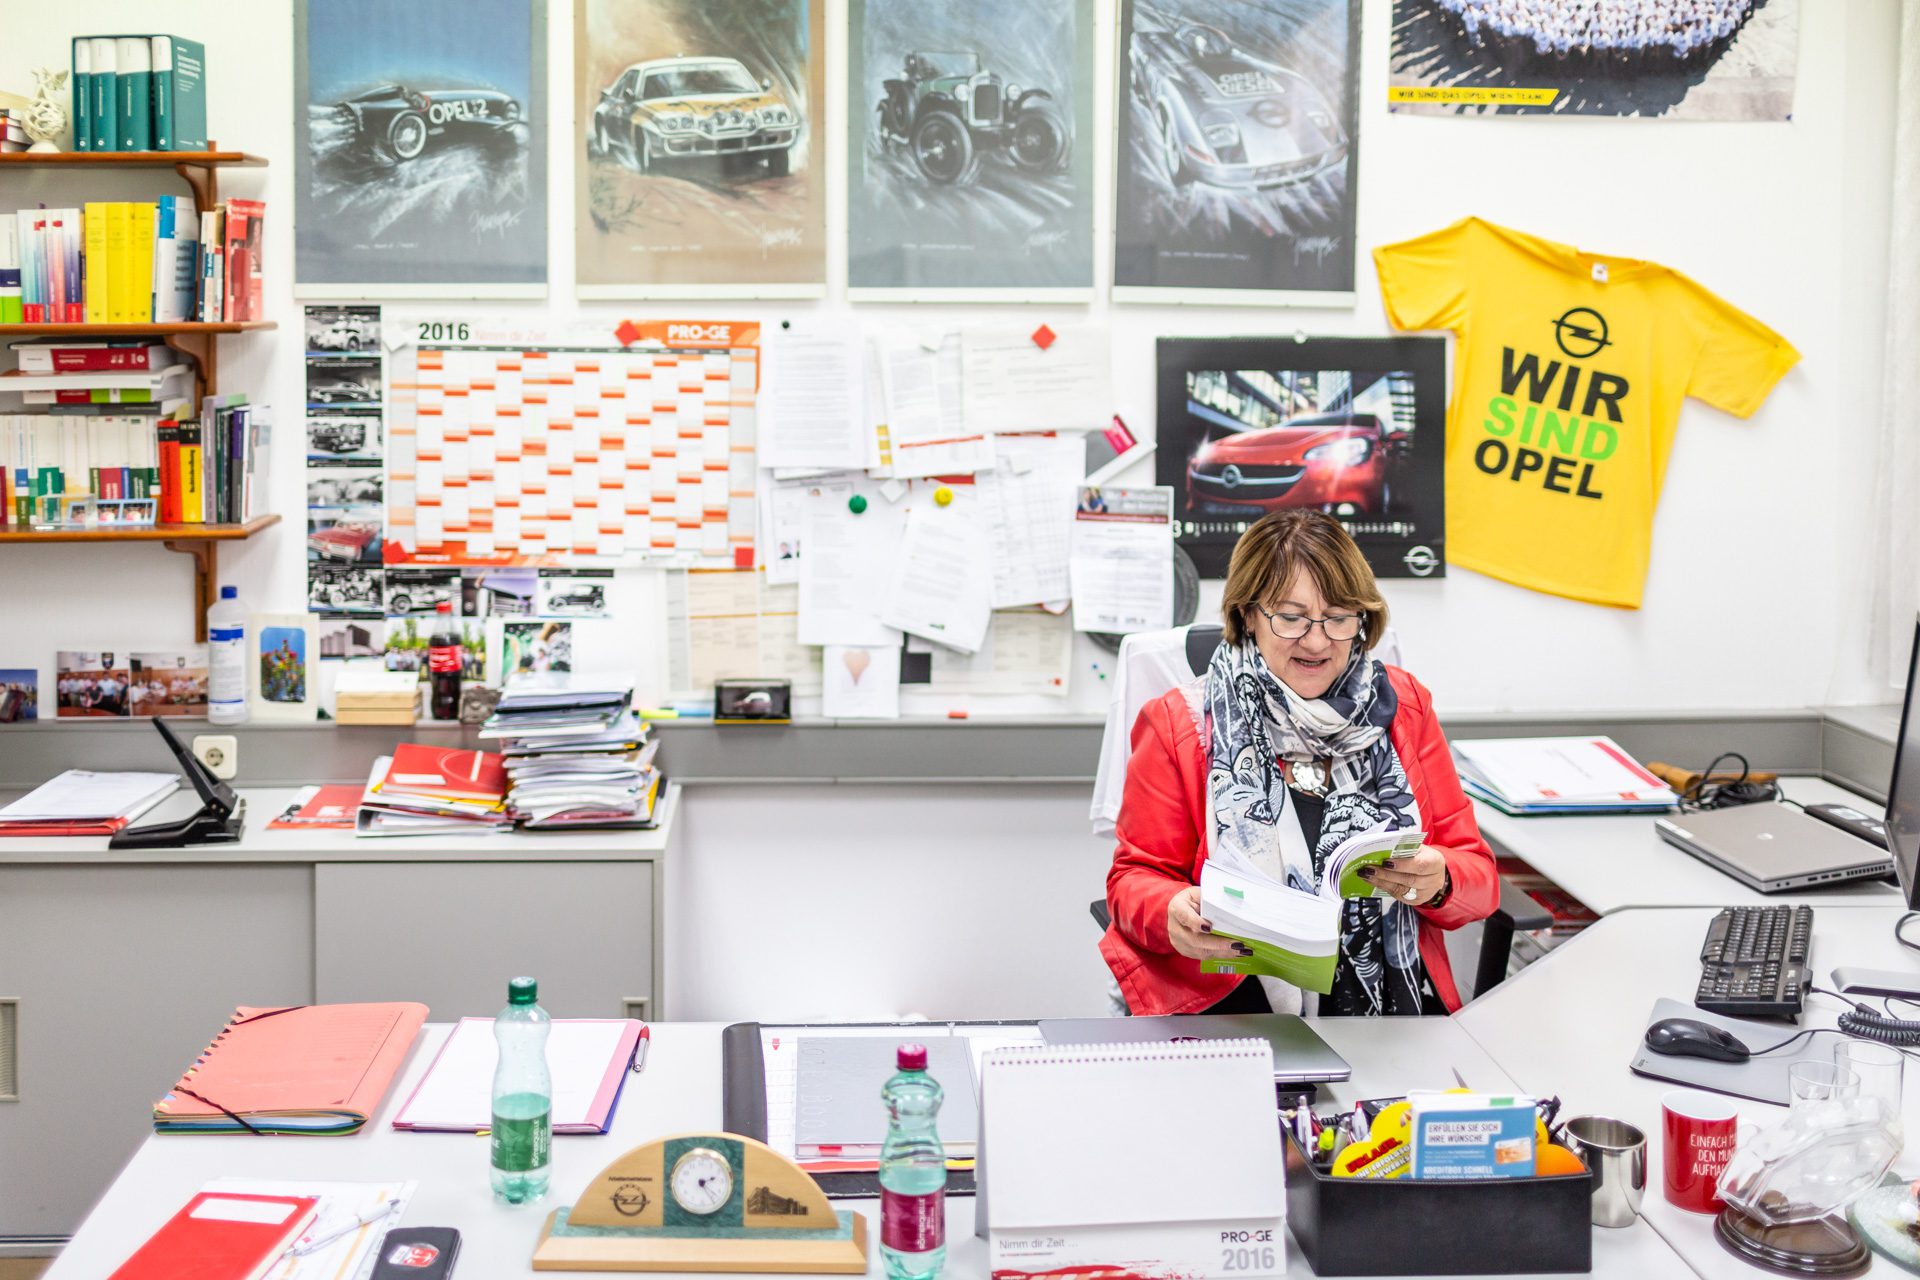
{"x":1294,"y":935}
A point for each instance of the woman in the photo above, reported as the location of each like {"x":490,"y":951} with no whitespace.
{"x":1292,"y":741}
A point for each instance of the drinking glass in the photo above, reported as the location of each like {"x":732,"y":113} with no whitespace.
{"x":1881,"y":1070}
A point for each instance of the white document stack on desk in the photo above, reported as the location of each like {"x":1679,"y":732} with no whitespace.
{"x":576,"y":755}
{"x":1529,"y":776}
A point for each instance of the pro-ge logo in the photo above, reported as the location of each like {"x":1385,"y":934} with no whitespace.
{"x":700,"y":333}
{"x":1420,"y":561}
{"x":1581,"y":333}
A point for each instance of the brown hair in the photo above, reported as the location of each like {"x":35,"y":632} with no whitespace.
{"x":1284,"y":544}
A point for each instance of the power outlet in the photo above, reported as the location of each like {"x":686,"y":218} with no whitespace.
{"x":220,"y":752}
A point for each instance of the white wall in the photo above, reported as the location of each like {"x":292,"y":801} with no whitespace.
{"x":1755,"y":595}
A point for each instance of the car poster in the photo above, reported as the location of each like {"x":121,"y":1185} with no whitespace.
{"x":420,"y":148}
{"x":970,"y":149}
{"x":1354,"y":427}
{"x":1665,"y":59}
{"x":1236,"y":168}
{"x":701,"y":168}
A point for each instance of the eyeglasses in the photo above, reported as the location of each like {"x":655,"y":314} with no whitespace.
{"x":1293,"y":626}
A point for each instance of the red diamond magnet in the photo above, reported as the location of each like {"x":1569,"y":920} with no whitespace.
{"x":628,"y":333}
{"x":1044,"y":337}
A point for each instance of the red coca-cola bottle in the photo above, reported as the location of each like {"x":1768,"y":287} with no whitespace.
{"x":444,"y":662}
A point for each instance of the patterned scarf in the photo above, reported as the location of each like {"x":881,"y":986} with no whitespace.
{"x":1253,"y":722}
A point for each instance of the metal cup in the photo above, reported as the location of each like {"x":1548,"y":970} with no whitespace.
{"x":1616,"y":1154}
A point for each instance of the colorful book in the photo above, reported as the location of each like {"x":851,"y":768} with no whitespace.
{"x":133,"y":90}
{"x":175,"y":259}
{"x":93,"y":222}
{"x":142,"y":228}
{"x":213,"y":274}
{"x":10,"y":309}
{"x":245,"y":284}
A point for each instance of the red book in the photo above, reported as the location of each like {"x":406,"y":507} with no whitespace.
{"x":95,"y":357}
{"x":169,"y":434}
{"x":245,"y":286}
{"x":332,"y":807}
{"x":446,"y":773}
{"x":221,"y":1237}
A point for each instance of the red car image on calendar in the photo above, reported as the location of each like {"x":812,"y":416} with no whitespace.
{"x":1250,"y":426}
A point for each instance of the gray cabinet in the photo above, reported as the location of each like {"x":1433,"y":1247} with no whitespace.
{"x":123,"y":975}
{"x":450,"y":934}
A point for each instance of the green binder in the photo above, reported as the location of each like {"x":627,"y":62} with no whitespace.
{"x":179,"y":94}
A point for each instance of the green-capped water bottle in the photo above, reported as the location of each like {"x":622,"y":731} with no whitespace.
{"x":522,"y":1097}
{"x":913,"y":1172}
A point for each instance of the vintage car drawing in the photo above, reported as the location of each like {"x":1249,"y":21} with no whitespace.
{"x":1223,"y":117}
{"x":340,"y":390}
{"x":680,"y":108}
{"x":398,"y":122}
{"x":949,"y":113}
{"x":347,"y":542}
{"x":577,"y":600}
{"x":346,"y":333}
{"x":337,"y":437}
{"x":1345,"y":464}
{"x":409,"y":598}
{"x":348,"y":593}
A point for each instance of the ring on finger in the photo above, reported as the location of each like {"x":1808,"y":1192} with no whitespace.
{"x":1412,"y":895}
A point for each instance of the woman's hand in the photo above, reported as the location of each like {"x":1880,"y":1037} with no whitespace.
{"x":1192,"y":936}
{"x":1424,"y":873}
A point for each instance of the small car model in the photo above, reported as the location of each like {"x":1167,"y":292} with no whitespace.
{"x":1341,"y":463}
{"x":578,"y":600}
{"x":1222,"y":116}
{"x":680,"y":108}
{"x":339,"y":391}
{"x":949,"y":113}
{"x":337,"y":437}
{"x":398,"y":122}
{"x":347,"y":542}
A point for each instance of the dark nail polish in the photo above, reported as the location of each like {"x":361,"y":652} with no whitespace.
{"x":1366,"y":873}
{"x":1206,"y":928}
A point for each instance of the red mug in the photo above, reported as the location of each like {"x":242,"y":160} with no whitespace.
{"x":1699,"y":1132}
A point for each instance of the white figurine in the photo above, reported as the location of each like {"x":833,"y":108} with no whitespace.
{"x":46,"y":119}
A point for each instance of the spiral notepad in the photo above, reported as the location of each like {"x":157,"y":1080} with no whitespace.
{"x":1175,"y":1148}
{"x":316,"y":1069}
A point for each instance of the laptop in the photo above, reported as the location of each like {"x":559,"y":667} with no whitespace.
{"x":1772,"y":848}
{"x":1300,"y":1056}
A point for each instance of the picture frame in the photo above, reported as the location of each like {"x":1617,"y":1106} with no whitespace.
{"x":283,"y":652}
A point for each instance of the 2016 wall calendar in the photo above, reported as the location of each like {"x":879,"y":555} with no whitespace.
{"x":505,"y":451}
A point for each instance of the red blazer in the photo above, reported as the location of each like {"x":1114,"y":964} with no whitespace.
{"x":1162,"y":834}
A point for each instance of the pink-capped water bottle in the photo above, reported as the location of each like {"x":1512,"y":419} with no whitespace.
{"x":913,"y":1172}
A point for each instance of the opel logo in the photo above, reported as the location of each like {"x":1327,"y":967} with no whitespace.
{"x":1230,"y":477}
{"x":1421,"y":561}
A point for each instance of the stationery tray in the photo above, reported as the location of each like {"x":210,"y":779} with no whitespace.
{"x":1439,"y":1226}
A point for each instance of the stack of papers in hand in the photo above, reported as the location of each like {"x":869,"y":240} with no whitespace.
{"x":1524,"y":776}
{"x":426,"y":790}
{"x":1294,"y":934}
{"x":576,"y":756}
{"x":81,"y":802}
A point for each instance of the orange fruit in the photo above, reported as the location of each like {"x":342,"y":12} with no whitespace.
{"x":1553,"y":1160}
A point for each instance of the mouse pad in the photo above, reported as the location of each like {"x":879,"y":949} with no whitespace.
{"x":1762,"y":1079}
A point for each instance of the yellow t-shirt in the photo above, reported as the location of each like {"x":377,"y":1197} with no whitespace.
{"x":1566,"y":392}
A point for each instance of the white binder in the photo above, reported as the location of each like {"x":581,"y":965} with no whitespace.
{"x":1157,"y":1159}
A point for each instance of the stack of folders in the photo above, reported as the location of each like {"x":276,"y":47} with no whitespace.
{"x":576,"y":756}
{"x":81,"y":802}
{"x":1531,"y":776}
{"x":312,"y":1069}
{"x":840,"y":1123}
{"x":427,"y":790}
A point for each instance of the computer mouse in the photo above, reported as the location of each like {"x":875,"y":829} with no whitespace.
{"x":1690,"y":1038}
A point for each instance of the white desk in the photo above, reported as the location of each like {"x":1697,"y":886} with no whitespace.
{"x":1619,"y":861}
{"x":126,"y":963}
{"x":679,"y":1092}
{"x":1568,"y":1025}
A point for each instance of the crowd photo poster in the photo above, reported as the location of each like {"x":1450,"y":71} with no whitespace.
{"x":1654,"y":59}
{"x":421,"y":148}
{"x":970,"y":150}
{"x":1353,"y":427}
{"x":700,"y":162}
{"x":1236,"y":165}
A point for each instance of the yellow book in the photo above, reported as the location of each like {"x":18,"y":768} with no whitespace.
{"x":140,"y":262}
{"x":119,"y":227}
{"x":93,"y":225}
{"x":192,"y":497}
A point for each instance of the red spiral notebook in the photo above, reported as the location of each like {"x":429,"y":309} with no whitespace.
{"x":221,"y":1237}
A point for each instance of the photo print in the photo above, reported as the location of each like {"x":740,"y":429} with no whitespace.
{"x":1236,"y":163}
{"x":344,"y":440}
{"x":280,"y":681}
{"x":494,"y":593}
{"x":535,"y":646}
{"x":409,"y":639}
{"x":420,"y":148}
{"x":1664,"y":59}
{"x":575,"y":593}
{"x":343,"y":331}
{"x":343,"y":382}
{"x":420,"y":592}
{"x":170,"y":683}
{"x":343,"y":639}
{"x":19,"y":695}
{"x":348,"y":590}
{"x":702,"y":169}
{"x":90,"y":685}
{"x":970,"y":148}
{"x":1354,"y":427}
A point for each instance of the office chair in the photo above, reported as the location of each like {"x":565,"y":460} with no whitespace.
{"x":1516,"y":912}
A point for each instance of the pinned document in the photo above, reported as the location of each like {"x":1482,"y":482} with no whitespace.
{"x":1122,"y":559}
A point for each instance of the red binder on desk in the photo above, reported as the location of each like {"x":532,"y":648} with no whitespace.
{"x":221,"y":1237}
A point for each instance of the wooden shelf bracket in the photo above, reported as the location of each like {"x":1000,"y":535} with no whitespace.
{"x":206,"y":573}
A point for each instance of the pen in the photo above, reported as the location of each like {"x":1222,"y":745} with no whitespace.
{"x":640,"y":1050}
{"x":315,"y":1245}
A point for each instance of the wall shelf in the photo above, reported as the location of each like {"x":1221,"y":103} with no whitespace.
{"x":201,"y":541}
{"x":132,"y":330}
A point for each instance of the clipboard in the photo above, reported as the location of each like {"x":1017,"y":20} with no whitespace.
{"x":744,"y":1088}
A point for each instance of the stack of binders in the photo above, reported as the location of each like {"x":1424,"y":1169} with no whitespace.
{"x":576,"y":756}
{"x":427,"y":790}
{"x":1527,"y":777}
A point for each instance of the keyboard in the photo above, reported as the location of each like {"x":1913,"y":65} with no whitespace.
{"x":1753,"y":963}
